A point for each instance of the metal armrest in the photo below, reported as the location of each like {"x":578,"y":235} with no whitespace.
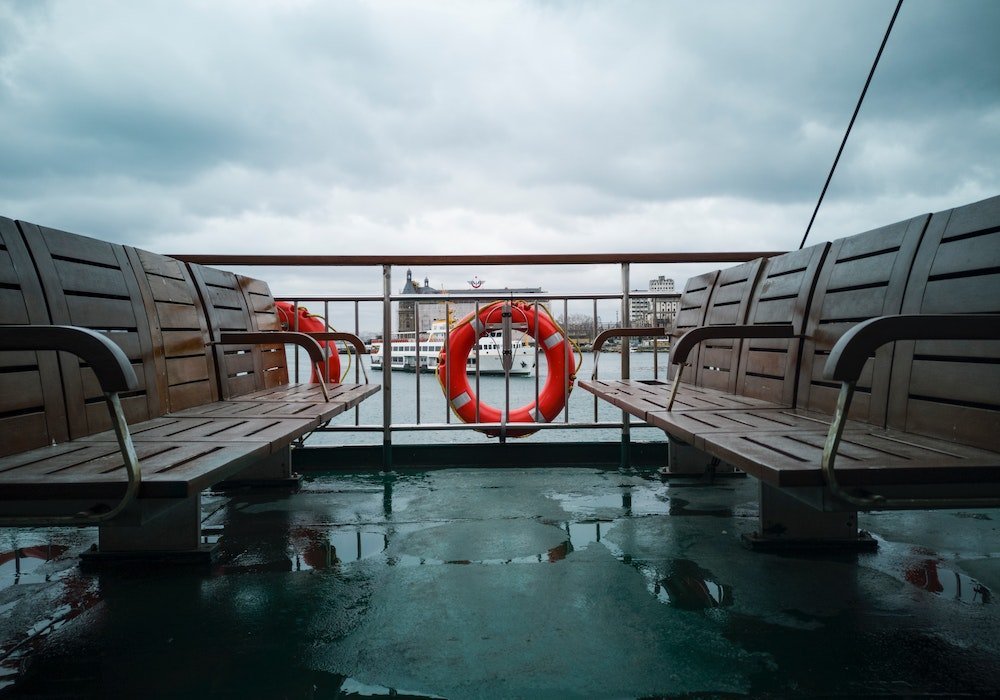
{"x":359,"y":345}
{"x":846,"y":361}
{"x":115,"y":374}
{"x":655,"y":332}
{"x":849,"y":354}
{"x":303,"y":340}
{"x":112,"y":367}
{"x":687,"y":342}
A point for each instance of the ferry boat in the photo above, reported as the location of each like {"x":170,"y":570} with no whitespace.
{"x":404,"y":352}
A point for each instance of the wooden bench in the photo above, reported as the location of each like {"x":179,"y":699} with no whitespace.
{"x":849,"y":382}
{"x":171,"y":379}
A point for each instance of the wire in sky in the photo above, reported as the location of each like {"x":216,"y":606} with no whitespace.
{"x":854,"y":116}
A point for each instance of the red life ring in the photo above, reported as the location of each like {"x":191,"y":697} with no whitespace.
{"x":310,"y":323}
{"x":452,"y":360}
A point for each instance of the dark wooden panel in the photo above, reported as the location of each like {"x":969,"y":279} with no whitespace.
{"x":949,"y":389}
{"x":7,"y":273}
{"x":188,"y":369}
{"x":74,"y":246}
{"x":961,"y":255}
{"x":973,"y":294}
{"x":181,"y":316}
{"x":104,"y":313}
{"x":183,"y":343}
{"x":23,"y":302}
{"x":24,"y":432}
{"x":863,"y":276}
{"x":77,"y":276}
{"x":171,"y":291}
{"x":225,"y":297}
{"x":12,"y":307}
{"x":237,"y":362}
{"x":160,"y":265}
{"x":231,"y":319}
{"x":872,"y":270}
{"x":183,"y":396}
{"x":979,"y":382}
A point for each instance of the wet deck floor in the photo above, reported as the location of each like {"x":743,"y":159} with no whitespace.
{"x":508,"y":583}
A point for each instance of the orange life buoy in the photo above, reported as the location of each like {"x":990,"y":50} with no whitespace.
{"x":310,"y":323}
{"x":452,"y":360}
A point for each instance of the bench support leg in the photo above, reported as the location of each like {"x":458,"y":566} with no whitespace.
{"x":274,"y":470}
{"x":789,"y":524}
{"x":686,"y":460}
{"x":173,"y":536}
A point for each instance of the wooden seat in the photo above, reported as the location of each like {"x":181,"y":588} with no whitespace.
{"x":862,"y":277}
{"x":891,"y":401}
{"x":128,"y":424}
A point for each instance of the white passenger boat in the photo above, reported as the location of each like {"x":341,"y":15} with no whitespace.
{"x":405,"y":358}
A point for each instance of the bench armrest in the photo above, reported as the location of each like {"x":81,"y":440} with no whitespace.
{"x":654,"y":332}
{"x":849,"y":354}
{"x":687,"y":342}
{"x":266,"y":337}
{"x":848,"y":358}
{"x":287,"y":337}
{"x":359,"y":345}
{"x":115,"y":374}
{"x":110,"y":364}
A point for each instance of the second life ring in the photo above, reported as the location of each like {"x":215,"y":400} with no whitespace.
{"x":288,"y":314}
{"x":559,"y":357}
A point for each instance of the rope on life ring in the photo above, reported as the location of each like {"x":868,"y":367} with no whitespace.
{"x":561,"y":361}
{"x":288,"y":314}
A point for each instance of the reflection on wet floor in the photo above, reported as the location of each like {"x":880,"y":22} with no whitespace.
{"x":26,"y":564}
{"x":364,"y":574}
{"x":929,"y":575}
{"x":31,"y":567}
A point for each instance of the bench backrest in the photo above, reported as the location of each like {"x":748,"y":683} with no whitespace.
{"x":180,"y":331}
{"x":768,"y":368}
{"x":90,"y":284}
{"x":242,"y":368}
{"x":863,"y":277}
{"x":692,"y":307}
{"x":951,"y":389}
{"x":32,"y":411}
{"x":716,"y":361}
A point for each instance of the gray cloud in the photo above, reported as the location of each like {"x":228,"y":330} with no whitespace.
{"x":483,"y":127}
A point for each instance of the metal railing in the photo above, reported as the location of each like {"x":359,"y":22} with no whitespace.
{"x":388,"y":298}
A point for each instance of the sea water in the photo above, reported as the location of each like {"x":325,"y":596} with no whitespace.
{"x":491,"y":390}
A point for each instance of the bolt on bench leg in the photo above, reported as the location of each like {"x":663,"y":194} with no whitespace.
{"x":170,"y":536}
{"x":789,"y":524}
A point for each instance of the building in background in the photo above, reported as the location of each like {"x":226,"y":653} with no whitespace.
{"x":433,"y":309}
{"x":659,"y":310}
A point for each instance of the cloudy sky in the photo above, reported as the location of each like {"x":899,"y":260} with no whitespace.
{"x":485,"y":127}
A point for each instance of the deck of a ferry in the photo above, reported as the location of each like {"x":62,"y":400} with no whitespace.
{"x":534,"y":582}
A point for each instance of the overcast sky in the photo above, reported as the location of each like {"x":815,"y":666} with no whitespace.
{"x":485,"y":127}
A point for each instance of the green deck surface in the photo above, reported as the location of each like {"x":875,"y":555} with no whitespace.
{"x":525,"y":583}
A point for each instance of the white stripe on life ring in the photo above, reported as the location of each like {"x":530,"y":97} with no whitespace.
{"x":461,"y":400}
{"x":476,"y":325}
{"x":538,"y":416}
{"x":553,"y":340}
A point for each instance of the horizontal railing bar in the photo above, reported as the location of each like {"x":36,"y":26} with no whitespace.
{"x":446,"y":260}
{"x":331,"y":298}
{"x":414,"y":427}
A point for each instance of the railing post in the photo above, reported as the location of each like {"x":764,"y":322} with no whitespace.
{"x":626,"y":320}
{"x":386,"y":367}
